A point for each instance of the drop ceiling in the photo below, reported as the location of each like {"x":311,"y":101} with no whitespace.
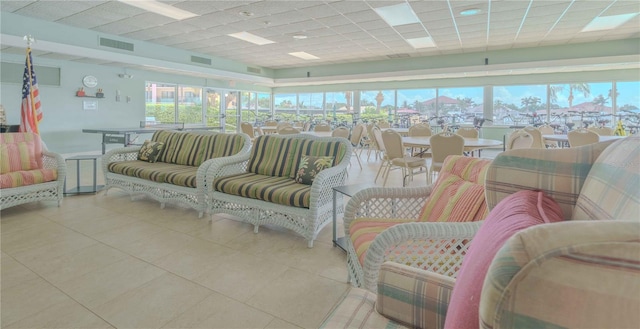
{"x":337,"y":32}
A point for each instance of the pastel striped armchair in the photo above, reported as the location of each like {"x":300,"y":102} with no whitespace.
{"x":579,"y":273}
{"x":29,"y":173}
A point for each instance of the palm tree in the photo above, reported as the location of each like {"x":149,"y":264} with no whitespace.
{"x":599,"y":102}
{"x":530,"y":103}
{"x":582,"y":87}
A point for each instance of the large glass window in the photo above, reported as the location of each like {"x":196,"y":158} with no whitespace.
{"x":379,"y":105}
{"x":336,"y":107}
{"x":310,"y":106}
{"x":519,"y":105}
{"x":160,"y":102}
{"x":415,"y":102}
{"x":459,"y":105}
{"x":285,"y":107}
{"x":190,"y":104}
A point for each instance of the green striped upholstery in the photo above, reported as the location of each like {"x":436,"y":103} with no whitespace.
{"x":413,"y":297}
{"x":574,"y":274}
{"x":180,"y":147}
{"x":170,"y":139}
{"x":317,"y":148}
{"x":185,"y":176}
{"x":612,"y":189}
{"x":219,"y":145}
{"x":156,"y":172}
{"x":27,"y":177}
{"x":280,"y":190}
{"x":560,"y":173}
{"x":273,"y":155}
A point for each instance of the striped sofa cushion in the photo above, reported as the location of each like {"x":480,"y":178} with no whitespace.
{"x":413,"y":297}
{"x":573,"y":274}
{"x":20,"y":151}
{"x":170,"y":139}
{"x":219,"y":145}
{"x":363,"y":230}
{"x":27,"y":177}
{"x":280,"y":190}
{"x":141,"y":169}
{"x":612,"y":188}
{"x":272,"y":155}
{"x":185,"y":176}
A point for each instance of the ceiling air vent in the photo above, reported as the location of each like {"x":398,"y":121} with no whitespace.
{"x":254,"y":70}
{"x":201,"y":60}
{"x":116,"y":44}
{"x":392,"y":56}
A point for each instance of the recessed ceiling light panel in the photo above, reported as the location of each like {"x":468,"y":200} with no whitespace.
{"x":246,"y":36}
{"x":303,"y":55}
{"x":608,"y":22}
{"x":470,"y":12}
{"x":400,"y":14}
{"x":426,"y":42}
{"x":160,"y":8}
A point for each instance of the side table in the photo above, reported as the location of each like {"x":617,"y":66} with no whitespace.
{"x":348,"y":190}
{"x":83,"y":189}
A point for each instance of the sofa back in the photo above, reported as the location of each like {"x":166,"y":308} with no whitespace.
{"x":611,"y":190}
{"x":560,"y":173}
{"x":19,"y":152}
{"x":276,"y":155}
{"x":194,"y":148}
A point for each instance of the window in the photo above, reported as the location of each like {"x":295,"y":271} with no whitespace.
{"x":190,"y":104}
{"x":310,"y":105}
{"x":458,"y":105}
{"x":285,"y":107}
{"x":519,"y":105}
{"x":379,"y":105}
{"x":415,"y":102}
{"x":160,"y":103}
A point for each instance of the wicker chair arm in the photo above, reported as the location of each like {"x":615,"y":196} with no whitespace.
{"x":386,"y":203}
{"x":119,"y":154}
{"x":51,"y":160}
{"x":437,"y":247}
{"x":327,"y":179}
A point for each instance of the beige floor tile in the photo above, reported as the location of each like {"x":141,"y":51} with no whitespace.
{"x":73,"y":264}
{"x":218,"y":311}
{"x":63,"y":315}
{"x":185,"y":223}
{"x":153,"y":304}
{"x":28,"y":298}
{"x":222,"y":231}
{"x":281,"y":324}
{"x":16,"y":219}
{"x":93,"y":225}
{"x":240,"y":275}
{"x":299,"y":298}
{"x":129,"y":233}
{"x":104,"y":284}
{"x":157,"y":245}
{"x":196,"y":258}
{"x":63,"y":244}
{"x":12,"y":273}
{"x":35,"y":237}
{"x":84,"y":212}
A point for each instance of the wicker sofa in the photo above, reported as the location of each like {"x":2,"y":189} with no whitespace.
{"x":280,"y":184}
{"x":581,"y":272}
{"x":28,"y":172}
{"x":178,"y":171}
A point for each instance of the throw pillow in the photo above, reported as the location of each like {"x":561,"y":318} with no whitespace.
{"x":310,"y":166}
{"x":514,"y":213}
{"x":150,"y":151}
{"x":454,"y":199}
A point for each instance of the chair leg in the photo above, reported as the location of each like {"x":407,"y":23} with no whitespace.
{"x":358,"y":158}
{"x":379,"y":170}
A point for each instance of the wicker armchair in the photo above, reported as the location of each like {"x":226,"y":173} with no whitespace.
{"x":50,"y":162}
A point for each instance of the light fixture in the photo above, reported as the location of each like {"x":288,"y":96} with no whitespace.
{"x":160,"y":8}
{"x":608,"y":22}
{"x":425,"y":42}
{"x":400,"y":14}
{"x":246,"y":36}
{"x":299,"y":36}
{"x":303,"y":55}
{"x":470,"y":12}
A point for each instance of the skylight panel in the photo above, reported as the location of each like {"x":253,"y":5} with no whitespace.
{"x":246,"y":36}
{"x":425,"y":42}
{"x":608,"y":22}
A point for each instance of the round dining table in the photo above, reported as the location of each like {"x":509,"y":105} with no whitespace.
{"x":470,"y":144}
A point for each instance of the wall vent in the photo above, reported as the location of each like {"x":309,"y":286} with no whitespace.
{"x":254,"y":70}
{"x":201,"y":60}
{"x":116,"y":44}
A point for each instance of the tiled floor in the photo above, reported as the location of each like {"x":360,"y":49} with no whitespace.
{"x":105,"y":261}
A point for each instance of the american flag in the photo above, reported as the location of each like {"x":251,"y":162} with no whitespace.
{"x":30,"y":112}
